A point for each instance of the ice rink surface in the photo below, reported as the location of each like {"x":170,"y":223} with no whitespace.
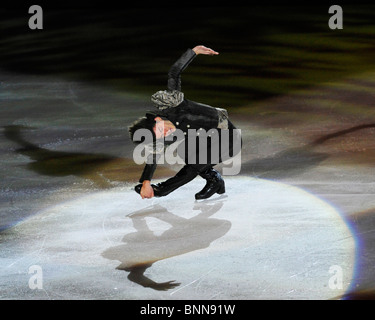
{"x":264,"y":240}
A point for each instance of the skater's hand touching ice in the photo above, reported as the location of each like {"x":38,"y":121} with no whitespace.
{"x":147,"y":191}
{"x":204,"y":50}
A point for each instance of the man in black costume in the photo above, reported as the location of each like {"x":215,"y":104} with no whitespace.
{"x":175,"y":114}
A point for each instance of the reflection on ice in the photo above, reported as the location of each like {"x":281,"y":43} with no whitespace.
{"x":143,"y":247}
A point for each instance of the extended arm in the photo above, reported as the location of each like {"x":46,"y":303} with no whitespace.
{"x":174,"y":74}
{"x":147,"y":191}
{"x":148,"y":172}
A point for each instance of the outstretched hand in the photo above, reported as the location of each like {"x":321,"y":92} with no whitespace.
{"x":147,"y":191}
{"x":204,"y":50}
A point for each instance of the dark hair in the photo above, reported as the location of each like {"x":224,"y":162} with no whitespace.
{"x":147,"y":122}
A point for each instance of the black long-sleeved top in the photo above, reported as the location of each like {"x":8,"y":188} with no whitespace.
{"x":174,"y":74}
{"x":188,"y":114}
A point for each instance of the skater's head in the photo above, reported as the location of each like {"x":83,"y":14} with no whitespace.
{"x":163,"y":127}
{"x":146,"y":122}
{"x":158,"y":127}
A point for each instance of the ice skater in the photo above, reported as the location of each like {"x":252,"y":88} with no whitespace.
{"x":201,"y":127}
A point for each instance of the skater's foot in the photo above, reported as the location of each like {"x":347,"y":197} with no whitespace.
{"x":215,"y":184}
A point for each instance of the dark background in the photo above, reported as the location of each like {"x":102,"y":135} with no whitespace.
{"x":266,"y":50}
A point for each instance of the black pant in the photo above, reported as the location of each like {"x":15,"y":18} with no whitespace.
{"x":185,"y":175}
